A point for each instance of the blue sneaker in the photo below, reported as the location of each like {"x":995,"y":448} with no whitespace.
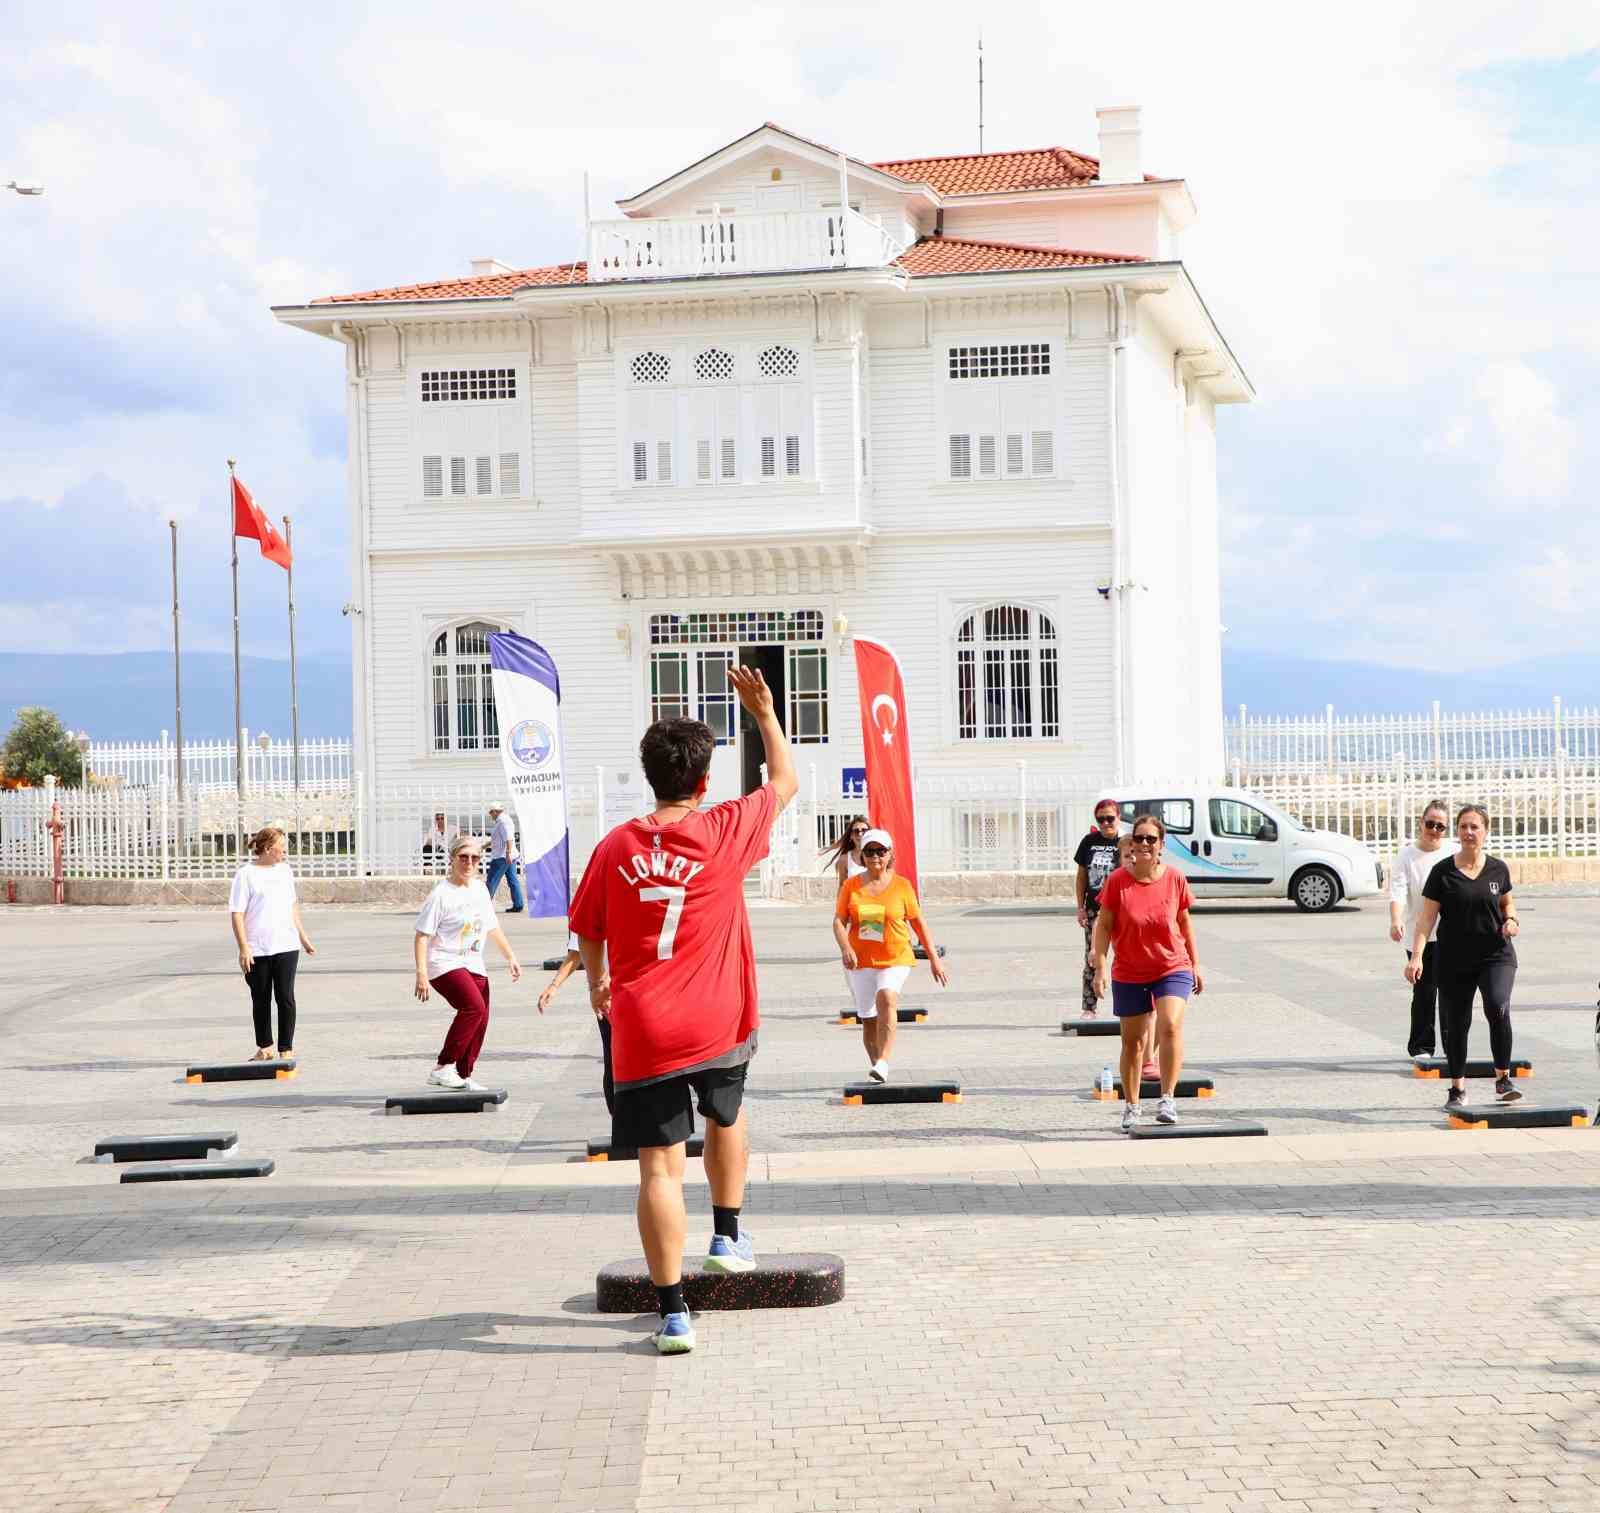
{"x":675,"y":1336}
{"x":731,"y":1255}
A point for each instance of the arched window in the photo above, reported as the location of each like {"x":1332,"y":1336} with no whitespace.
{"x":1008,"y":678}
{"x":714,"y":366}
{"x":464,"y":717}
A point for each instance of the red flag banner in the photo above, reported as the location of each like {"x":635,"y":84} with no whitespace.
{"x":886,"y":741}
{"x":249,"y":521}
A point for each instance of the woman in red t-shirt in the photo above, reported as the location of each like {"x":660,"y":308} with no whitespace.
{"x":1144,"y":915}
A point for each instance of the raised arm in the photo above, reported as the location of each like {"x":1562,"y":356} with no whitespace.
{"x":756,"y":698}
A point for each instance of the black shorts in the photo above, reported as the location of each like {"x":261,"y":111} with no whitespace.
{"x":660,"y":1113}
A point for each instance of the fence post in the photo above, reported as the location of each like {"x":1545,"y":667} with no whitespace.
{"x":1022,"y":816}
{"x":1436,"y":744}
{"x":1561,"y":779}
{"x":1239,"y":753}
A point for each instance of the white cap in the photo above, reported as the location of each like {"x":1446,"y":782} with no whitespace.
{"x":877,"y":838}
{"x":497,"y":808}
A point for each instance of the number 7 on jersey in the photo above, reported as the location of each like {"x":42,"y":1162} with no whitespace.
{"x":673,"y":899}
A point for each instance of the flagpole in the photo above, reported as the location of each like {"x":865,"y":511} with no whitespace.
{"x":177,"y":675}
{"x":238,"y":702}
{"x":294,"y":691}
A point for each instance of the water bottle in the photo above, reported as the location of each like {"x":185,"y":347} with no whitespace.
{"x":1105,"y":1080}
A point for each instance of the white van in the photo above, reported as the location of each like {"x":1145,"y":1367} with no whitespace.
{"x":1231,"y":844}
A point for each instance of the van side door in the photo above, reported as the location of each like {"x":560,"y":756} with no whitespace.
{"x":1244,"y":847}
{"x":1182,"y":849}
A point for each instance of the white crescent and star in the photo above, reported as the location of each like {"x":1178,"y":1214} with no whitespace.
{"x":894,"y":716}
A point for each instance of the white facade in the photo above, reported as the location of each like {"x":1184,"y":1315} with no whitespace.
{"x":1005,"y":471}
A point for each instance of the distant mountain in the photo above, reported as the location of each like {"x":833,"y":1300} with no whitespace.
{"x":128,"y":696}
{"x":1279,"y":685}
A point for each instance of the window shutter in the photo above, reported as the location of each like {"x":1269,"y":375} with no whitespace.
{"x":458,"y":475}
{"x":433,"y":477}
{"x":483,"y":474}
{"x":986,"y":457}
{"x":730,"y":469}
{"x":1014,"y":467}
{"x":702,"y":459}
{"x":769,"y":456}
{"x":663,"y":462}
{"x":791,"y":456}
{"x":1044,"y":453}
{"x":510,"y":474}
{"x":728,"y":421}
{"x":641,"y":462}
{"x":961,"y":457}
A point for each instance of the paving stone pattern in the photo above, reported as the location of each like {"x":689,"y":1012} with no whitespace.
{"x":1038,"y":1315}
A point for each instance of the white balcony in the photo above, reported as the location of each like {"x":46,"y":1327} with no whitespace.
{"x":694,"y":246}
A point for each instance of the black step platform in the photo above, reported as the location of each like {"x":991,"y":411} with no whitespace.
{"x":922,"y":955}
{"x":201,"y":1146}
{"x":902,"y":1092}
{"x":1186,"y":1131}
{"x":446,"y":1101}
{"x":1519,"y":1116}
{"x":603,"y":1150}
{"x":779,"y":1281}
{"x":242,"y":1071}
{"x":1437,"y":1066}
{"x":197,"y":1171}
{"x":1091,"y":1026}
{"x":901,"y":1016}
{"x":1150,"y":1087}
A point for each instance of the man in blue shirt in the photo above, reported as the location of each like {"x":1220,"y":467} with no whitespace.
{"x":503,"y":856}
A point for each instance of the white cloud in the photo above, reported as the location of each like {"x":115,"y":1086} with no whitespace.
{"x":1536,"y":440}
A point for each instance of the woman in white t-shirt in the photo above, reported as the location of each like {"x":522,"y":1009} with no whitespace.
{"x":264,"y":909}
{"x":450,"y":931}
{"x":1411,"y":869}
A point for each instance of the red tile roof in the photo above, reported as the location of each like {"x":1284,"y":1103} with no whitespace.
{"x":932,"y":255}
{"x":488,"y":286}
{"x":959,"y":254}
{"x":994,"y":172}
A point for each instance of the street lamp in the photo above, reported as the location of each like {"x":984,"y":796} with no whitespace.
{"x":81,"y":741}
{"x":26,"y":186}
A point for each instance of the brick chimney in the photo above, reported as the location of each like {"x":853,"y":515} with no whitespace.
{"x":1119,"y":145}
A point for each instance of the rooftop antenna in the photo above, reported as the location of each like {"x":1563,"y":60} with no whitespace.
{"x":980,"y":91}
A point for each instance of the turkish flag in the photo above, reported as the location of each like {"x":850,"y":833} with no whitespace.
{"x":887,"y":742}
{"x":249,"y":521}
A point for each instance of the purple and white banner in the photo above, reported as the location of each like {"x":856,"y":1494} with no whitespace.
{"x":527,"y":698}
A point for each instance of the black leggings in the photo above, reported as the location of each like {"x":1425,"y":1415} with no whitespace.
{"x":607,"y":1085}
{"x":269,"y":977}
{"x":1493,"y":979}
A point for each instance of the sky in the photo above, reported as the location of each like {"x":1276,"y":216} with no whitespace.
{"x":1396,"y":228}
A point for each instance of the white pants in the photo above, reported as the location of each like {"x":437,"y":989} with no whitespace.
{"x":867,"y":982}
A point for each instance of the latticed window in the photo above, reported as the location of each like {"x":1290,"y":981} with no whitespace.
{"x":461,"y":385}
{"x":1000,"y":412}
{"x":713,"y":366}
{"x":1016,"y":360}
{"x":778,"y":362}
{"x":751,"y":627}
{"x":470,"y":434}
{"x":808,"y":695}
{"x":1008,"y":676}
{"x":464,"y":717}
{"x":651,"y":368}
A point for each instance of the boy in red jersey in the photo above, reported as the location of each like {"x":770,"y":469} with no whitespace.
{"x":662,"y":900}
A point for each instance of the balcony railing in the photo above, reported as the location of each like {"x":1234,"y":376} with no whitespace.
{"x":691,"y":246}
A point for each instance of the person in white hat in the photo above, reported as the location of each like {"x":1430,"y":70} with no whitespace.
{"x":503,"y":856}
{"x":872,"y":923}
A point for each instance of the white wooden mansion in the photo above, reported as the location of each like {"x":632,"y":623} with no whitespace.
{"x":970,"y":412}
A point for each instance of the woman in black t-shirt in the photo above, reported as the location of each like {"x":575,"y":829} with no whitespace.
{"x":1469,"y":895}
{"x":1097,"y":857}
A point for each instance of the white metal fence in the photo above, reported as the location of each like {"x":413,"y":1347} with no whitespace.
{"x":209,"y":766}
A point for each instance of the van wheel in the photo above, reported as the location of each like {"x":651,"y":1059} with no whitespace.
{"x":1316,"y":890}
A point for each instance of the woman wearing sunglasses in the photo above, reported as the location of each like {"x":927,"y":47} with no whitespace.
{"x":844,"y":855}
{"x":448,"y":946}
{"x":1468,"y":896}
{"x":1411,"y":869}
{"x":1144,"y":915}
{"x":872,"y":922}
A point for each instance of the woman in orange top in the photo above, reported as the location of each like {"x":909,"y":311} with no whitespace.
{"x":872,"y":923}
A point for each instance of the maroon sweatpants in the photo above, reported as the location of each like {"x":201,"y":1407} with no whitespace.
{"x":468,"y":995}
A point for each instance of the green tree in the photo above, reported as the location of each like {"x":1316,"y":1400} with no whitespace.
{"x":39,"y":744}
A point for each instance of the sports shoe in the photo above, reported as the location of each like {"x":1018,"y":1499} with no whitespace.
{"x":676,"y":1335}
{"x":879,"y":1071}
{"x":1167,"y":1110}
{"x":446,"y":1076}
{"x":731,"y":1255}
{"x":1130,"y":1118}
{"x":1455,"y":1098}
{"x":1506,"y":1090}
{"x":472,"y":1085}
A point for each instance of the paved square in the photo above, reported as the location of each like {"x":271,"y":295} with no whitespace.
{"x":1364,"y":1310}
